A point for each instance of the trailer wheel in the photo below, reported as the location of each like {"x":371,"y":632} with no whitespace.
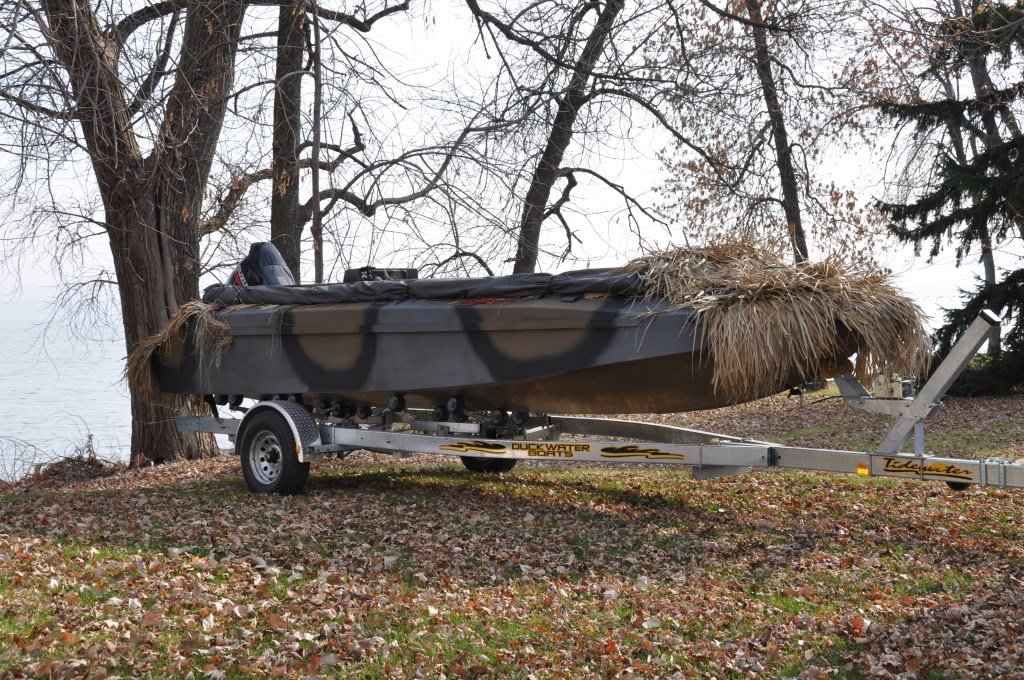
{"x":270,"y":463}
{"x":959,"y":486}
{"x":474,"y":464}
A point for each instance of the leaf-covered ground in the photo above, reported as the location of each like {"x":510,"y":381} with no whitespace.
{"x":417,"y":569}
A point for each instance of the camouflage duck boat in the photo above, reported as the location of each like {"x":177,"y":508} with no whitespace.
{"x":577,"y":342}
{"x":394,"y":364}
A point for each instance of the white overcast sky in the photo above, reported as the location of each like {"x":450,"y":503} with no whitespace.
{"x":443,"y":40}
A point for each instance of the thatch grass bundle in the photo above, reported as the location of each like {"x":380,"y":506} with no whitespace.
{"x":209,"y":338}
{"x":767,"y":320}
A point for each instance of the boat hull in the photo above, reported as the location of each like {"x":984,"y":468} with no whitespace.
{"x":547,"y":355}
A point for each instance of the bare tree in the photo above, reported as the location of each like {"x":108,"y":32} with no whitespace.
{"x":141,"y":96}
{"x":772,"y":94}
{"x":285,"y":228}
{"x":400,"y":169}
{"x":578,"y":73}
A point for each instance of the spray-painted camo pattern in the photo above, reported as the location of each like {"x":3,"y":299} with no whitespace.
{"x":569,"y":353}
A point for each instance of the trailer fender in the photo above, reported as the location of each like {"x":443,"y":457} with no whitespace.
{"x":302,"y":423}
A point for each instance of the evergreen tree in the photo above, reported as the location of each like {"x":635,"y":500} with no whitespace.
{"x":976,"y":194}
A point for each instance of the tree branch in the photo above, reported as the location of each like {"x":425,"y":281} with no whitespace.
{"x":459,"y":254}
{"x":148,"y":86}
{"x":334,"y":194}
{"x":653,"y":110}
{"x":362,"y":25}
{"x":743,"y":20}
{"x":344,"y":154}
{"x":123,"y":29}
{"x":619,"y":189}
{"x":556,"y":210}
{"x":239,"y":185}
{"x":556,"y":207}
{"x":67,"y":114}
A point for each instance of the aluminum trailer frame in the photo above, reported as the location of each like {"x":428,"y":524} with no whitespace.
{"x":708,"y":454}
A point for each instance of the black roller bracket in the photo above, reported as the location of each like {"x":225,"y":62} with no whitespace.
{"x":456,"y":407}
{"x":455,"y":404}
{"x":211,"y":401}
{"x":396,"y":403}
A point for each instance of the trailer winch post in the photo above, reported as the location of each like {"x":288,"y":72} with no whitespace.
{"x":931,"y":393}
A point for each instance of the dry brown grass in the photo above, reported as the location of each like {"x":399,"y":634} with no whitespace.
{"x":209,"y":338}
{"x":769,"y":320}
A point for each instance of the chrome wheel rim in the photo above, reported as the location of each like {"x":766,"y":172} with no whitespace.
{"x":265,"y":457}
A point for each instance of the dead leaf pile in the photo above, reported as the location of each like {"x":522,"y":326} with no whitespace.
{"x":418,"y":569}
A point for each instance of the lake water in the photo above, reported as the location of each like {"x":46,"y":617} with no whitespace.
{"x":55,"y":390}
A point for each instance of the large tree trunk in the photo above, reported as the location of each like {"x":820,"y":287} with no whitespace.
{"x":547,"y":171}
{"x":285,"y":226}
{"x":148,"y":291}
{"x":783,"y":151}
{"x":152,"y":205}
{"x":167,"y":263}
{"x":955,"y":126}
{"x":982,"y":81}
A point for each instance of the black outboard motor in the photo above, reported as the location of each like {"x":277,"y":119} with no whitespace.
{"x":263,"y":266}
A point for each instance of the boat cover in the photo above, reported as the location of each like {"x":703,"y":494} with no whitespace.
{"x":568,"y":284}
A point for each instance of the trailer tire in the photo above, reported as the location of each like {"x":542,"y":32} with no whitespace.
{"x":959,"y":486}
{"x":474,"y":464}
{"x":270,"y":463}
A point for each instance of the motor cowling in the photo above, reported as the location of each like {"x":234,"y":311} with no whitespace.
{"x":263,"y":266}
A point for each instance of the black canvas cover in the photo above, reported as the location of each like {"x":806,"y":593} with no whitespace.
{"x":442,"y":289}
{"x":607,"y":281}
{"x":360,"y":291}
{"x":598,"y":281}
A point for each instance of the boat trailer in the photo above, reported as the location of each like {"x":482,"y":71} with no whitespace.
{"x":278,"y":438}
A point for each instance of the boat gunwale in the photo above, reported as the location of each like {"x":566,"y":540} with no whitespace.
{"x":252,"y":321}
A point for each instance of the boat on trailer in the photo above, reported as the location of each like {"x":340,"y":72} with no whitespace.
{"x":578,"y":342}
{"x":473,"y":368}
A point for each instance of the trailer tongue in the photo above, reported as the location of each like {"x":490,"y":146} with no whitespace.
{"x":277,"y":439}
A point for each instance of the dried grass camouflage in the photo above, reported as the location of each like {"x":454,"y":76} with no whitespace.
{"x":768,"y":319}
